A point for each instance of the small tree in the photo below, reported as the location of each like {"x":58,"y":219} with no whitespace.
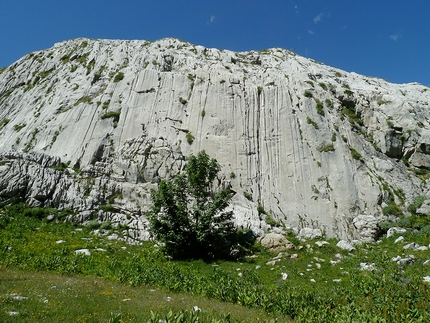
{"x":188,"y":213}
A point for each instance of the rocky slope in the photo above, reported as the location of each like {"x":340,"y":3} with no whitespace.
{"x":92,"y":125}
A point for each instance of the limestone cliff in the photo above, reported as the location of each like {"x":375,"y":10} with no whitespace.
{"x":92,"y":125}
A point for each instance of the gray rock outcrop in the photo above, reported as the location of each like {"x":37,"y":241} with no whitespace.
{"x":93,"y":125}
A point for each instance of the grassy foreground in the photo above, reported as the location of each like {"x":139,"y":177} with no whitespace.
{"x":42,"y":278}
{"x":28,"y":296}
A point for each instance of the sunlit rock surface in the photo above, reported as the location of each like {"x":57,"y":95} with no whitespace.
{"x":93,"y":125}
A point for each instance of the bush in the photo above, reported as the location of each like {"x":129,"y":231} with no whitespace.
{"x":418,"y":201}
{"x":112,"y":114}
{"x":4,"y":122}
{"x":187,"y":214}
{"x":190,"y":138}
{"x":392,"y":209}
{"x":118,"y":77}
{"x":320,"y":107}
{"x":326,"y":148}
{"x":355,"y":154}
{"x":308,"y":94}
{"x":310,"y":121}
{"x":93,"y":225}
{"x":323,"y":85}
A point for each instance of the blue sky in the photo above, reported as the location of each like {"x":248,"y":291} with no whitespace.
{"x":383,"y":38}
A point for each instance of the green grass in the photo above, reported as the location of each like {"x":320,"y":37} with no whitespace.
{"x":90,"y":288}
{"x":60,"y":298}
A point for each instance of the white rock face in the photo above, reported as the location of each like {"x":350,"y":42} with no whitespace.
{"x":95,"y":123}
{"x":310,"y":233}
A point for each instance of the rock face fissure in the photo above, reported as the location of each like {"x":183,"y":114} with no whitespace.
{"x":93,"y":125}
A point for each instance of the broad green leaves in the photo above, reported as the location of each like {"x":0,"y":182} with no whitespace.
{"x":187,"y":213}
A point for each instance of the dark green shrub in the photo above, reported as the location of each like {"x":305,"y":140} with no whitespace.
{"x":118,"y":77}
{"x":418,"y":201}
{"x":106,"y":225}
{"x":308,"y":94}
{"x":348,"y":92}
{"x":355,"y":154}
{"x":106,"y":208}
{"x":93,"y":225}
{"x":313,"y":123}
{"x":190,"y":138}
{"x":4,"y":122}
{"x":187,"y":213}
{"x":392,"y":209}
{"x":425,"y":230}
{"x":329,"y":147}
{"x":61,"y":166}
{"x":112,"y":114}
{"x":260,"y":209}
{"x":259,"y":90}
{"x":323,"y":86}
{"x":385,"y":225}
{"x":37,"y":212}
{"x":18,"y":127}
{"x":247,"y":195}
{"x":320,"y":107}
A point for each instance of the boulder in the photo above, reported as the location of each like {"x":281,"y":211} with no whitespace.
{"x":345,"y":245}
{"x":367,"y":227}
{"x":393,"y":145}
{"x":275,"y":242}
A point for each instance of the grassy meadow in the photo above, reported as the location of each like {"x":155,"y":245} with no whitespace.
{"x":44,"y":279}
